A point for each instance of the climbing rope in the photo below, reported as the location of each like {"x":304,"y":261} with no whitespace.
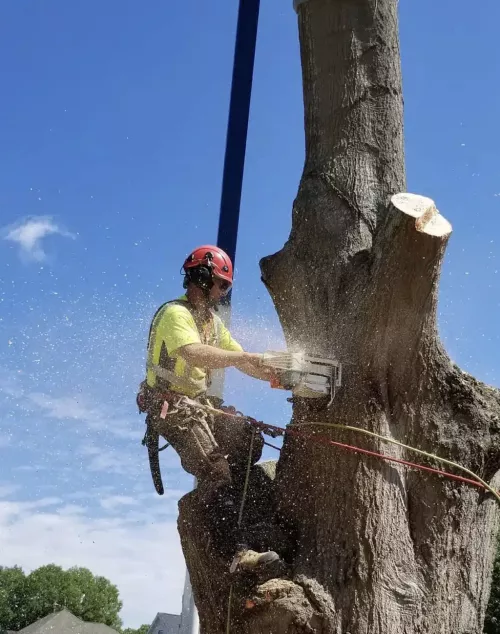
{"x":475,"y":480}
{"x":240,"y":519}
{"x":273,"y":430}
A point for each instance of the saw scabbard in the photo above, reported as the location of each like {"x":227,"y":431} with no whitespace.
{"x":152,"y":443}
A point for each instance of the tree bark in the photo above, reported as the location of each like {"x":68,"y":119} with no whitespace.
{"x":378,"y":548}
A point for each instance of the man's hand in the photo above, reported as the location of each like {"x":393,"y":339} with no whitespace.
{"x":252,"y":365}
{"x":253,"y":359}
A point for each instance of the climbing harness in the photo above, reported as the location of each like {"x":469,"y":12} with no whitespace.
{"x":156,"y":405}
{"x":276,"y":431}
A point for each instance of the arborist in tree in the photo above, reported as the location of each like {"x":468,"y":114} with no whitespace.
{"x":187,"y":341}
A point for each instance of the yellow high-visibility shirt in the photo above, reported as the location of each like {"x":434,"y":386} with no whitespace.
{"x":174,"y":327}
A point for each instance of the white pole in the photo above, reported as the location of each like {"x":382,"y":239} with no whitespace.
{"x":190,"y":623}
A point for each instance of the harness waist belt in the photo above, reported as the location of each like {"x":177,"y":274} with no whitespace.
{"x":176,"y":381}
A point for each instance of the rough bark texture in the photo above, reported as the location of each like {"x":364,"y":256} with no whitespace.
{"x":378,"y":548}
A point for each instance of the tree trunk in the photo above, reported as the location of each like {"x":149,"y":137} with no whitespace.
{"x":378,"y":548}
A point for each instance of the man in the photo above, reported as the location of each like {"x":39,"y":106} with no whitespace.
{"x":187,"y":341}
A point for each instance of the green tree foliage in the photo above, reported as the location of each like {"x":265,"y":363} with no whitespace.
{"x":26,"y":598}
{"x":140,"y":630}
{"x":12,"y":597}
{"x":492,"y":622}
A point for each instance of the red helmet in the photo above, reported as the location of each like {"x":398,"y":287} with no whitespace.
{"x":214,"y":258}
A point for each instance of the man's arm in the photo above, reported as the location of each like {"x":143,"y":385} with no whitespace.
{"x":253,"y":365}
{"x":212,"y":358}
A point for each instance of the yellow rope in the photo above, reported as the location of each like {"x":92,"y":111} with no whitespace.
{"x":228,"y":621}
{"x":392,"y":441}
{"x":247,"y":478}
{"x":349,"y":428}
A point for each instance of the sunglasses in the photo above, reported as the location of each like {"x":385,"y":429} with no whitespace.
{"x":222,"y":285}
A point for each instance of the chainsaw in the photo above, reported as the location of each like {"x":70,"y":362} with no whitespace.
{"x":306,"y":375}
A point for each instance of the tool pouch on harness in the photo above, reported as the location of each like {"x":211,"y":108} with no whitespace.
{"x":148,"y":400}
{"x":196,"y":435}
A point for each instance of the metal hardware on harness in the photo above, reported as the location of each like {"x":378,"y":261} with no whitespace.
{"x":306,"y":375}
{"x":269,"y":430}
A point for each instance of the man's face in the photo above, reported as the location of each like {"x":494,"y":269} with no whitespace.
{"x":218,"y":290}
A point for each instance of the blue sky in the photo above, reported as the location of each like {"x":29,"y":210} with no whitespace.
{"x":112,"y":135}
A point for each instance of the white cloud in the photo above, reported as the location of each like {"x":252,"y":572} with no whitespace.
{"x":99,"y":453}
{"x":31,"y":467}
{"x":113,"y":502}
{"x":67,"y":407}
{"x":30,"y":232}
{"x":9,"y":384}
{"x":140,"y":552}
{"x":7,"y":489}
{"x":99,"y":458}
{"x":64,"y":407}
{"x":100,"y":418}
{"x":128,"y":535}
